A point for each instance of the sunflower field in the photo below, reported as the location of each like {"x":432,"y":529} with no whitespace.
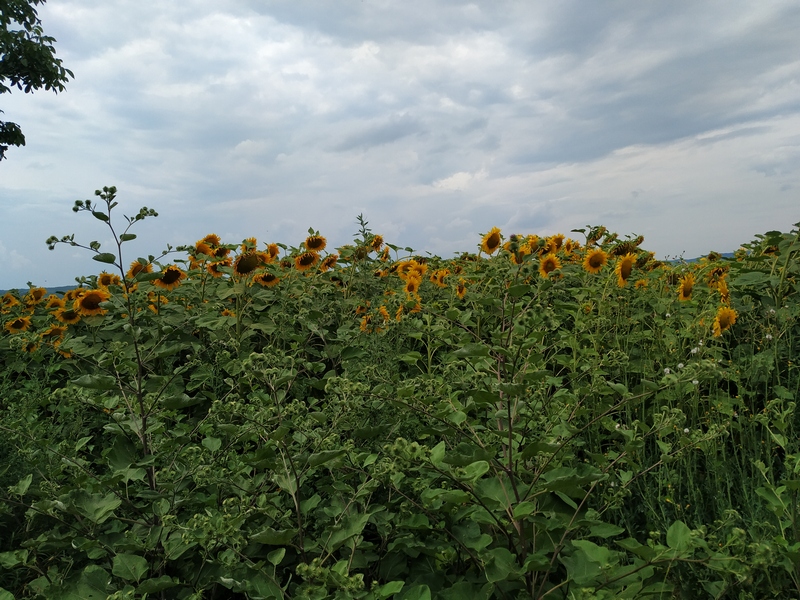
{"x":554,"y":417}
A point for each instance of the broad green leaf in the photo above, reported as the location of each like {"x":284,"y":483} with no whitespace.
{"x":105,"y":257}
{"x":679,"y":536}
{"x":605,"y":530}
{"x":320,"y":458}
{"x":129,"y":567}
{"x":516,"y":291}
{"x":500,"y":565}
{"x":417,"y":592}
{"x":353,"y":525}
{"x":6,"y":595}
{"x":212,"y":443}
{"x":100,"y":216}
{"x":158,"y":584}
{"x":22,"y":485}
{"x":96,"y":382}
{"x":127,"y":237}
{"x":389,"y":589}
{"x":276,"y":556}
{"x":595,"y":553}
{"x":273,"y":537}
{"x":9,"y":560}
{"x":95,"y":507}
{"x":471,"y":350}
{"x":92,"y":585}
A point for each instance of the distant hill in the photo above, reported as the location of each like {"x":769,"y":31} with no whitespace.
{"x":50,"y":290}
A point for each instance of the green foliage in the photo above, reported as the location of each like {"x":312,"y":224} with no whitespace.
{"x":247,"y":426}
{"x":27,"y":60}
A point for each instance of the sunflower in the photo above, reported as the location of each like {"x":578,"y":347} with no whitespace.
{"x":328,"y":262}
{"x":438,"y":276}
{"x":266,"y":279}
{"x":34,"y":296}
{"x":30,"y":346}
{"x":248,"y":244}
{"x":228,"y":313}
{"x":137,"y":268}
{"x":491,"y":241}
{"x":214,"y":267}
{"x":105,"y":280}
{"x":461,"y":289}
{"x":273,"y":250}
{"x":69,"y":316}
{"x":306,"y":260}
{"x":170,"y":278}
{"x":724,"y":294}
{"x":385,"y":255}
{"x":594,"y":261}
{"x":384,"y":312}
{"x":203,"y":247}
{"x":398,"y":313}
{"x":8,"y":301}
{"x":247,"y":263}
{"x":725,"y":318}
{"x":554,"y":242}
{"x":316,"y":243}
{"x":377,"y":243}
{"x":54,"y":334}
{"x":548,"y":264}
{"x":412,"y":285}
{"x":18,"y":325}
{"x":54,"y":301}
{"x":212,"y":239}
{"x":221,"y":252}
{"x":640,"y":284}
{"x":685,"y":289}
{"x":89,"y":303}
{"x":624,"y":268}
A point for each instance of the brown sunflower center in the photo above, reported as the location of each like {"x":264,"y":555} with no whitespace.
{"x":91,"y":301}
{"x":549,"y":266}
{"x":493,"y":241}
{"x":170,"y":276}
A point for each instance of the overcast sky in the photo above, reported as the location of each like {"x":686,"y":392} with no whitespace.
{"x":436,"y":120}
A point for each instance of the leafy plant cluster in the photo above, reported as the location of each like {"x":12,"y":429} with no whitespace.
{"x":547,"y":418}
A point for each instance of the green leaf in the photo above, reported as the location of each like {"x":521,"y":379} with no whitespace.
{"x":127,"y":237}
{"x":679,"y":536}
{"x":605,"y":530}
{"x":22,"y":485}
{"x":320,"y":458}
{"x":516,"y":291}
{"x":388,"y":589}
{"x":273,"y":537}
{"x":500,"y":565}
{"x":92,"y":585}
{"x":276,"y":556}
{"x":471,"y":350}
{"x":6,"y":595}
{"x":105,"y":257}
{"x":100,"y":216}
{"x":159,"y":584}
{"x":418,"y":592}
{"x":96,"y":382}
{"x":212,"y":443}
{"x":95,"y":507}
{"x":129,"y":567}
{"x":9,"y":560}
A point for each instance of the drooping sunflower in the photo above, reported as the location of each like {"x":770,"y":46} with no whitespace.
{"x":34,"y":296}
{"x":624,"y":268}
{"x":105,"y":280}
{"x":547,"y":264}
{"x":328,"y":262}
{"x":18,"y":325}
{"x":725,"y":318}
{"x":266,"y":279}
{"x":273,"y":250}
{"x":491,"y":241}
{"x":594,"y":260}
{"x":247,"y":263}
{"x":137,"y":268}
{"x":438,"y":277}
{"x":8,"y":301}
{"x":377,"y":242}
{"x":69,"y":316}
{"x":554,"y":242}
{"x":640,"y":284}
{"x":212,"y":239}
{"x":170,"y":278}
{"x":89,"y":303}
{"x":724,"y":293}
{"x":306,"y":260}
{"x":53,"y":334}
{"x":316,"y":243}
{"x":248,"y":245}
{"x":686,"y":286}
{"x":214,"y":268}
{"x":461,"y":289}
{"x":54,"y":301}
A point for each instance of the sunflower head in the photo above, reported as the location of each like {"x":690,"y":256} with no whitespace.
{"x":68,"y":316}
{"x":89,"y":303}
{"x":18,"y":325}
{"x":376,"y":242}
{"x":624,"y":269}
{"x":594,"y":260}
{"x":315,"y":243}
{"x":306,"y":260}
{"x":137,"y":268}
{"x":170,"y":278}
{"x":105,"y":280}
{"x":725,"y":318}
{"x":547,"y":264}
{"x":8,"y":301}
{"x":266,"y":279}
{"x":247,"y":263}
{"x":328,"y":262}
{"x":215,"y":268}
{"x":685,"y":288}
{"x":34,"y":296}
{"x":491,"y":241}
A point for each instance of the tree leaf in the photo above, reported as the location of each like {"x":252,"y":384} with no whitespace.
{"x":679,"y":536}
{"x":105,"y":257}
{"x":131,"y":567}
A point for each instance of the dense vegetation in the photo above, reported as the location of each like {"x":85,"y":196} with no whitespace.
{"x":544,"y":418}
